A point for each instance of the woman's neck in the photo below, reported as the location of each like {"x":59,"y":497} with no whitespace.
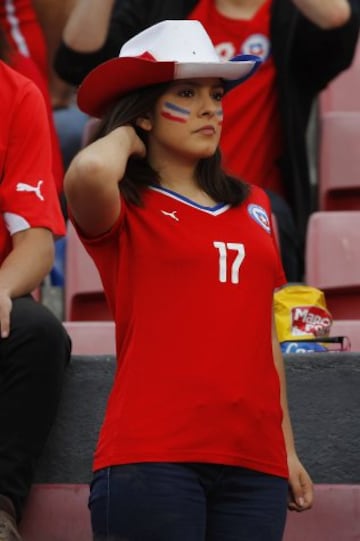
{"x":238,"y":9}
{"x":192,"y":192}
{"x":182,"y":181}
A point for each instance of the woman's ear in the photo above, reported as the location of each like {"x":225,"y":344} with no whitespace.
{"x":144,"y":122}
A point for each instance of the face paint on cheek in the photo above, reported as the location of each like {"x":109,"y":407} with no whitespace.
{"x":220,"y":116}
{"x":174,"y":112}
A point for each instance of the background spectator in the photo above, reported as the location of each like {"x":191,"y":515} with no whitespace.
{"x":28,"y":55}
{"x":34,"y":347}
{"x":269,"y":149}
{"x":69,"y":120}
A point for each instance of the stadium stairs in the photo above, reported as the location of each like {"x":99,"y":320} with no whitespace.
{"x":324,"y":401}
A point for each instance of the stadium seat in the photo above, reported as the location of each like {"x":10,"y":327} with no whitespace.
{"x":36,"y":293}
{"x":349,"y":328}
{"x":60,"y":513}
{"x":91,"y":337}
{"x":57,"y":512}
{"x":332,"y":260}
{"x":334,"y":517}
{"x":89,"y":130}
{"x":342,"y":94}
{"x":84,"y":294}
{"x":339,"y":161}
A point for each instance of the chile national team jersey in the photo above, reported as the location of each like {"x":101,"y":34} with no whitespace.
{"x":28,"y":195}
{"x":191,"y":289}
{"x":251,"y":140}
{"x":29,"y":57}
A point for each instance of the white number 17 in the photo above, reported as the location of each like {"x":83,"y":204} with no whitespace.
{"x":223,"y":248}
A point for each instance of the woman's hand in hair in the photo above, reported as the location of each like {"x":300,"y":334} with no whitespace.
{"x":136,"y":145}
{"x":91,"y":181}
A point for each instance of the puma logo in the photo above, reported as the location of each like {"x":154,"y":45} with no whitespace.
{"x":23,"y":187}
{"x":171,"y":215}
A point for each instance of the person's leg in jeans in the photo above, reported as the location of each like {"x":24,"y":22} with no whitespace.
{"x":192,"y":502}
{"x":148,"y":502}
{"x":245,"y":505}
{"x":32,"y":363}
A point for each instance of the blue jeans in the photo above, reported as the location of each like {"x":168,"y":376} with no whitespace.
{"x":186,"y":502}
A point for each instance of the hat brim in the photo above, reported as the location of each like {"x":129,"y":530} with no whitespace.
{"x":119,"y":76}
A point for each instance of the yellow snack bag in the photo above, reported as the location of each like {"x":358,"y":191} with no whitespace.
{"x":301,"y":313}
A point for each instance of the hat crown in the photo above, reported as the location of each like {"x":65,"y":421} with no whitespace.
{"x":172,"y":41}
{"x":165,"y":52}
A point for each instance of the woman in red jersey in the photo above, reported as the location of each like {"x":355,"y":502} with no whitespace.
{"x":268,"y":118}
{"x":196,"y":443}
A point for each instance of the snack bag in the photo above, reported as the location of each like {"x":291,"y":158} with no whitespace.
{"x":301,"y":318}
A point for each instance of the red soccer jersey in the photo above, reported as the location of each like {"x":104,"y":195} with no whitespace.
{"x":191,"y":289}
{"x":251,"y":139}
{"x":24,"y":31}
{"x":29,"y":58}
{"x":28,"y":195}
{"x":27,"y":67}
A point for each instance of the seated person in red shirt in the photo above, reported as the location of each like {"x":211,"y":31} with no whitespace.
{"x":34,"y":347}
{"x":28,"y":55}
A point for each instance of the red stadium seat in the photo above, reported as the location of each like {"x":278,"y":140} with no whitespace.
{"x":37,"y":294}
{"x":91,"y":337}
{"x":333,"y":260}
{"x":349,"y":328}
{"x":89,"y":130}
{"x":334,"y":517}
{"x":339,"y":161}
{"x":60,"y":513}
{"x":342,"y":94}
{"x":84,"y":293}
{"x":57,"y":513}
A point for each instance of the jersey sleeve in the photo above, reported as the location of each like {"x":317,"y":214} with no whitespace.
{"x":28,"y":190}
{"x":104,"y":251}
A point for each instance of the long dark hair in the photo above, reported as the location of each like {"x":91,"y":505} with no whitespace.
{"x":139,"y":174}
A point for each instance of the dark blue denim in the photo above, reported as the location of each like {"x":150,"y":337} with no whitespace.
{"x":32,"y":364}
{"x":186,"y":502}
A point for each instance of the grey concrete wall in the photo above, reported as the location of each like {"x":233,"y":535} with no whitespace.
{"x":324,"y":400}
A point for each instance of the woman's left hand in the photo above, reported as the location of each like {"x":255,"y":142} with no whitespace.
{"x":301,"y":493}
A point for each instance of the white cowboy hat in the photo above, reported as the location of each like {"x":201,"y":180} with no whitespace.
{"x":166,"y":51}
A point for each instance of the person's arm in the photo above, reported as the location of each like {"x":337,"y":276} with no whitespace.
{"x":52,"y":16}
{"x":24,"y":268}
{"x":91,"y":182}
{"x":322,"y":52}
{"x":300,"y":484}
{"x":87,"y":27}
{"x":326,"y":14}
{"x":83,"y":44}
{"x":81,"y":50}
